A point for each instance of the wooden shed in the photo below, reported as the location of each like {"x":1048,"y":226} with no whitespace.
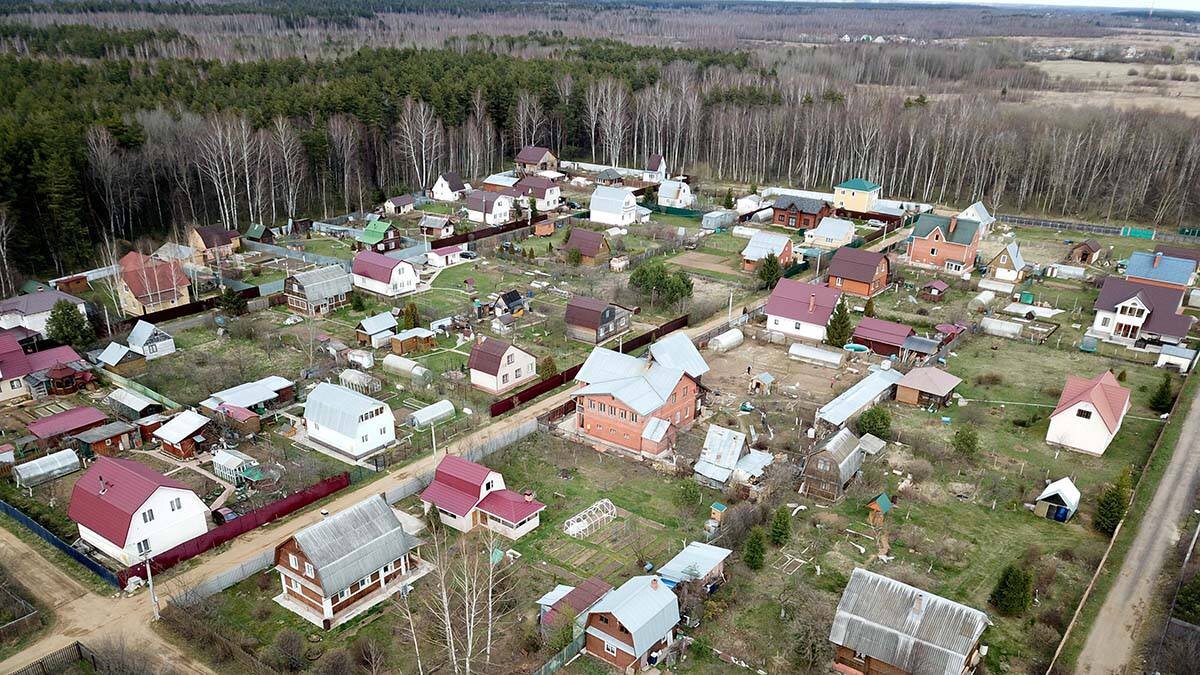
{"x":414,"y":341}
{"x":926,"y":386}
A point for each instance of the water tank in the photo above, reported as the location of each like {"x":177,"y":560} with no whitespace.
{"x":727,"y":340}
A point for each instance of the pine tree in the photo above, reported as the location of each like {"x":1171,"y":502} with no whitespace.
{"x":769,"y":272}
{"x":781,"y":527}
{"x":869,"y":310}
{"x":840,"y":328}
{"x":411,"y":316}
{"x":68,"y":326}
{"x":754,"y":550}
{"x":1163,"y":398}
{"x":1111,"y":506}
{"x":1014,"y":591}
{"x":547,"y":367}
{"x":729,"y":199}
{"x":231,"y":302}
{"x":966,"y":441}
{"x":877,"y":422}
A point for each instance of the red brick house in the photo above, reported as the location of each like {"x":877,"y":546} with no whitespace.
{"x":631,"y":627}
{"x":799,"y":212}
{"x":638,"y":405}
{"x":858,"y":272}
{"x":347,"y":563}
{"x":533,"y":158}
{"x":944,"y":242}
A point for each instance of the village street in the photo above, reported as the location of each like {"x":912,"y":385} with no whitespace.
{"x":1120,"y":624}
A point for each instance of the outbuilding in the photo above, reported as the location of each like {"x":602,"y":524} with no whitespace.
{"x":107,"y":439}
{"x":885,"y":338}
{"x":182,"y":436}
{"x":926,"y":387}
{"x":376,"y":330}
{"x":150,"y":341}
{"x":413,"y":341}
{"x":1059,"y":501}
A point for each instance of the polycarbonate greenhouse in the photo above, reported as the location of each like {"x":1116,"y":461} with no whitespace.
{"x":46,"y":469}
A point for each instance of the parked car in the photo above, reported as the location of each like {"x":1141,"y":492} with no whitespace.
{"x":573,"y":205}
{"x":469,"y":255}
{"x":224,"y":515}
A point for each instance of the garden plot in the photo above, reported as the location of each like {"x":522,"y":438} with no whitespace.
{"x":810,"y":385}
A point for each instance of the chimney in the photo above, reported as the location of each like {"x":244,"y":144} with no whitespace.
{"x":654,"y":583}
{"x":953,"y":223}
{"x":1157,"y":258}
{"x":812,"y":302}
{"x":324,"y":514}
{"x":529,"y":495}
{"x":103,"y":485}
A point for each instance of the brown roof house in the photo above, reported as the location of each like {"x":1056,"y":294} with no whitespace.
{"x":346,"y":564}
{"x":926,"y":387}
{"x":533,"y":158}
{"x":858,"y":272}
{"x":497,"y":366}
{"x":213,"y":242}
{"x":885,"y":626}
{"x":595,"y":321}
{"x":591,"y":244}
{"x":633,"y":626}
{"x":572,"y":602}
{"x":799,"y":212}
{"x":1085,"y":252}
{"x":148,"y":285}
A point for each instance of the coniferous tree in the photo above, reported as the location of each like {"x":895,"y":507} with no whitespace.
{"x":68,"y":326}
{"x":1014,"y":591}
{"x":769,"y":272}
{"x":1163,"y":398}
{"x":1112,"y":504}
{"x":754,"y":550}
{"x":869,"y":310}
{"x":840,"y":328}
{"x":781,"y":527}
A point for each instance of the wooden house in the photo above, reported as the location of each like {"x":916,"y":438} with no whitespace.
{"x":630,"y":626}
{"x":182,"y":436}
{"x":107,"y":439}
{"x":595,"y":321}
{"x":592,"y":245}
{"x":829,"y":471}
{"x":414,"y":341}
{"x":1085,"y":252}
{"x":532,"y":159}
{"x":926,"y":387}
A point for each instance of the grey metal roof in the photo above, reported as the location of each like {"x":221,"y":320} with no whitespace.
{"x":353,"y":543}
{"x":764,"y":243}
{"x":854,"y":399}
{"x":338,"y":408}
{"x":655,"y":429}
{"x":104,"y":431}
{"x":648,"y":613}
{"x":1179,"y":352}
{"x":249,"y":394}
{"x":609,"y":199}
{"x":379,"y":323}
{"x":921,"y":345}
{"x":755,"y":462}
{"x":113,"y":354}
{"x":678,"y":351}
{"x":643,"y":386}
{"x":130,"y":399}
{"x":696,"y":561}
{"x":670,"y":189}
{"x":722,"y":450}
{"x":871,"y":444}
{"x":844,"y":449}
{"x":833,"y":228}
{"x":324,"y":283}
{"x":905,"y":627}
{"x":181,"y":426}
{"x":141,"y":333}
{"x":977,"y":212}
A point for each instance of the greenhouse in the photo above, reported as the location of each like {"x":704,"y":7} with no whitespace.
{"x":432,"y":414}
{"x":46,"y":469}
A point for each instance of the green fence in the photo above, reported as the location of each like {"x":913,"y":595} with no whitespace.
{"x":675,"y":211}
{"x":141,"y":389}
{"x":560,"y":659}
{"x":1137,"y":233}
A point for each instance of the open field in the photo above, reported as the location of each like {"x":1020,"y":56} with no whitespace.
{"x":1127,"y":85}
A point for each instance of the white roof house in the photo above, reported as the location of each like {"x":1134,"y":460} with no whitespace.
{"x":765,"y":243}
{"x":184,"y":425}
{"x":697,"y":561}
{"x":675,"y":193}
{"x":722,"y":450}
{"x":612,"y":206}
{"x":380,"y":323}
{"x":830,"y":233}
{"x":645,"y":607}
{"x":249,"y":394}
{"x":351,"y":423}
{"x":150,"y":341}
{"x":979,"y":213}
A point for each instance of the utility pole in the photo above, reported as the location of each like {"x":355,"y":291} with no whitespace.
{"x":150,"y":581}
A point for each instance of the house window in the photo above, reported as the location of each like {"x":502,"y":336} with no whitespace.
{"x":504,"y":378}
{"x":603,"y":618}
{"x":176,"y":504}
{"x":837,"y":281}
{"x":1104,"y":322}
{"x":796,"y":325}
{"x":933,"y":252}
{"x":822,"y":465}
{"x":1003,"y":259}
{"x":488,"y":486}
{"x":510,"y":359}
{"x":609,"y":649}
{"x":295,"y":584}
{"x":632,"y":417}
{"x":143,"y":547}
{"x":148,"y":516}
{"x":591,"y":404}
{"x":293,"y":562}
{"x":15,"y":384}
{"x":954,"y":266}
{"x":1083,"y":414}
{"x":364,"y":438}
{"x":344,"y":594}
{"x":308,"y":570}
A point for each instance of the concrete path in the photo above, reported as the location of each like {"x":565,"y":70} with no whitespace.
{"x":1111,"y":645}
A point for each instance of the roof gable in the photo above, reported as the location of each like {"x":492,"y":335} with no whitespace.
{"x":964,"y":230}
{"x":353,"y":543}
{"x":855,"y":264}
{"x":487,"y":355}
{"x":859,"y":184}
{"x":589,"y":242}
{"x":802,"y":301}
{"x":1104,"y":393}
{"x":111,"y":491}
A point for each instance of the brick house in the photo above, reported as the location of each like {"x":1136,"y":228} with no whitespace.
{"x":631,"y":626}
{"x":944,"y":242}
{"x":638,"y":405}
{"x":799,"y":212}
{"x":533,"y":158}
{"x":857,"y":272}
{"x":347,"y":563}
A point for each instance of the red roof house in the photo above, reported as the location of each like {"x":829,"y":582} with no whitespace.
{"x":469,"y":495}
{"x":127,"y":510}
{"x":800,"y":310}
{"x":1089,"y":413}
{"x":885,"y":338}
{"x":49,"y":431}
{"x":578,"y":600}
{"x":15,"y":365}
{"x":150,"y":285}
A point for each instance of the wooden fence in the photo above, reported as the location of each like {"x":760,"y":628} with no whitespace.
{"x":69,"y":658}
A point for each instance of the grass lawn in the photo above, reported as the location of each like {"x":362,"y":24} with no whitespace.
{"x":441,"y":208}
{"x":192,"y":374}
{"x":268,"y":275}
{"x":488,"y":278}
{"x":194,"y":337}
{"x":1121,"y":246}
{"x":327,"y":246}
{"x":674,"y":220}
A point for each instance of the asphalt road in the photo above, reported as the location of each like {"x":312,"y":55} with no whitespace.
{"x":1111,"y":647}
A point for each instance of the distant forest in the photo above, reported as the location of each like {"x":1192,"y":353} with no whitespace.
{"x":117,"y":136}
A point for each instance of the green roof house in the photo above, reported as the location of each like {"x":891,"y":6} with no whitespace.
{"x":856,"y":195}
{"x":380,"y":236}
{"x":260,"y":233}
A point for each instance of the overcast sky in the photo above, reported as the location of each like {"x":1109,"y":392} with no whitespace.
{"x":1193,"y":5}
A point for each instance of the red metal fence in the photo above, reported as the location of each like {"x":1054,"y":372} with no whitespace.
{"x":553,"y":382}
{"x":180,"y":311}
{"x":223,"y":533}
{"x":484,"y":232}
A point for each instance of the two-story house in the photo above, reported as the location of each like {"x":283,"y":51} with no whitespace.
{"x":855,"y":271}
{"x":497,"y":366}
{"x":800,"y":310}
{"x":830,"y":234}
{"x":469,"y":496}
{"x":799,"y":213}
{"x":1089,"y":413}
{"x":545,"y":193}
{"x":213,"y":242}
{"x":147,"y":285}
{"x":31,"y":311}
{"x":383,"y":275}
{"x":534,"y":158}
{"x":656,"y":169}
{"x":636,"y":405}
{"x":449,"y":187}
{"x":944,"y":242}
{"x":489,"y":208}
{"x":318,"y":291}
{"x":347,"y":563}
{"x":595,"y":321}
{"x":380,"y":236}
{"x":354,"y":424}
{"x":1133,"y":313}
{"x":856,"y":196}
{"x":630,"y":626}
{"x":129,"y":512}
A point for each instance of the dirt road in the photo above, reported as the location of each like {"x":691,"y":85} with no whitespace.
{"x":1121,"y":622}
{"x":90,"y":618}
